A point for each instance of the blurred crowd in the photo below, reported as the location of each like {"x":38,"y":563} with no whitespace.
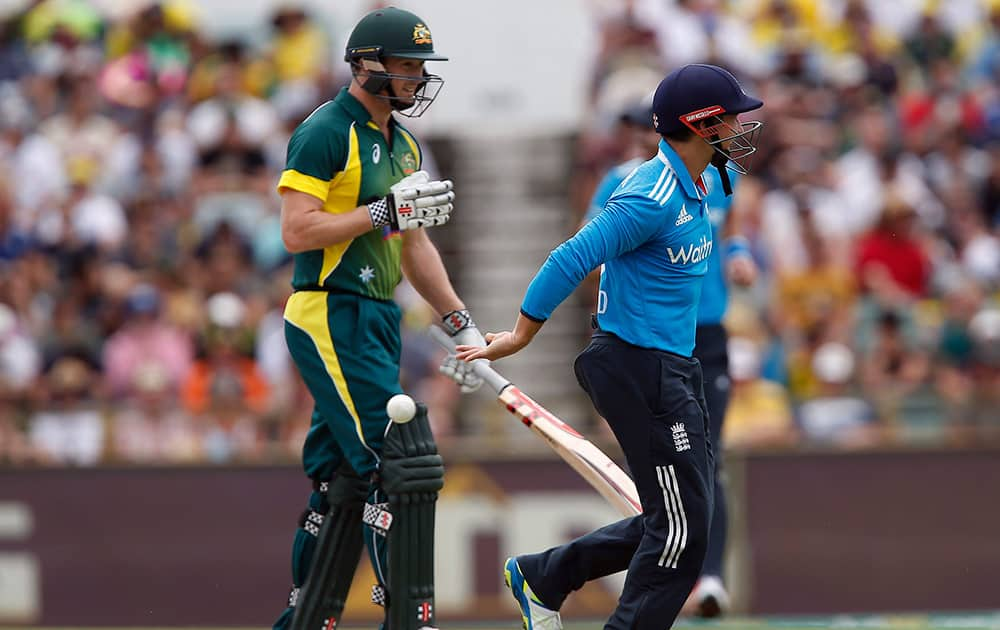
{"x":142,"y":274}
{"x":873,"y":207}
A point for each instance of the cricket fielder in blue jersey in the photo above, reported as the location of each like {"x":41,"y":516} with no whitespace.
{"x":734,"y":263}
{"x":654,"y":238}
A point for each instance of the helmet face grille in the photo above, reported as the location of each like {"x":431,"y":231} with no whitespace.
{"x":740,"y":140}
{"x":379,"y":84}
{"x":425,"y":94}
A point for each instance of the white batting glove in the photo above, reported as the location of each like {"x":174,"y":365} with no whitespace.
{"x":414,"y":202}
{"x":463,"y":330}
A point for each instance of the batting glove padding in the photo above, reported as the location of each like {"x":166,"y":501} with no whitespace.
{"x":463,"y":330}
{"x":414,"y":202}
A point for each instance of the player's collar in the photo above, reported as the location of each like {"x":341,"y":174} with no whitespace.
{"x":668,"y":156}
{"x":353,"y":106}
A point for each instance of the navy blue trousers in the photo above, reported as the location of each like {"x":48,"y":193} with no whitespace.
{"x":655,"y":405}
{"x":710,"y":350}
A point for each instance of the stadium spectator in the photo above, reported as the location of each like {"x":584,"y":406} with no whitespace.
{"x":985,"y":330}
{"x":759,"y":414}
{"x":956,"y":352}
{"x":14,"y":242}
{"x":20,"y":356}
{"x":149,"y":427}
{"x":819,"y":295}
{"x":835,"y":415}
{"x":70,"y":427}
{"x":225,"y":390}
{"x":892,"y":263}
{"x":230,"y":129}
{"x":894,"y":367}
{"x":299,"y":49}
{"x":226,"y":372}
{"x":145,"y":341}
{"x":929,"y":43}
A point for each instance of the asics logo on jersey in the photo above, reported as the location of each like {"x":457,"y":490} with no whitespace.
{"x":693,"y":253}
{"x":683,"y":217}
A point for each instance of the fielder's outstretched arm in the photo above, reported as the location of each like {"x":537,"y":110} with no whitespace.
{"x":504,"y":343}
{"x":620,"y":228}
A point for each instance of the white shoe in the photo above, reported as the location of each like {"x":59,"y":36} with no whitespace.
{"x":710,"y":597}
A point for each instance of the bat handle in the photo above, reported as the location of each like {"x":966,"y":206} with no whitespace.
{"x":480,"y":366}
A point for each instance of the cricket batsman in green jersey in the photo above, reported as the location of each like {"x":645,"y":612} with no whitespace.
{"x":355,"y":207}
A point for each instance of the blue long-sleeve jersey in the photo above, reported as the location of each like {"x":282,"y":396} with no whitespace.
{"x":714,"y":292}
{"x":654,"y":238}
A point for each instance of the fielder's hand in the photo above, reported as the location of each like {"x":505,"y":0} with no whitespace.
{"x":414,"y":202}
{"x":498,"y":345}
{"x":460,"y":326}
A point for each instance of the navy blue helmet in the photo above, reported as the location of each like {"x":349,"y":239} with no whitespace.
{"x":699,"y":92}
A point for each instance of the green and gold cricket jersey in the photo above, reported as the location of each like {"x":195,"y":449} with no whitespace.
{"x":338,"y":154}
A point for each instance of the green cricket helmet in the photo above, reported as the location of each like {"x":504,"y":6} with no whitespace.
{"x":392,"y":32}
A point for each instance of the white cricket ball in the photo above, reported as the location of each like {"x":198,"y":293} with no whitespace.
{"x":401,"y":408}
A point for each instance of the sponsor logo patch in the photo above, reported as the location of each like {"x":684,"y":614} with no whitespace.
{"x":693,"y":253}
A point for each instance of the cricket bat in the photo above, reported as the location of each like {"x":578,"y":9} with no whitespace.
{"x":590,"y":462}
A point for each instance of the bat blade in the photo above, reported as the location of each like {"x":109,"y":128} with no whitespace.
{"x":581,"y":454}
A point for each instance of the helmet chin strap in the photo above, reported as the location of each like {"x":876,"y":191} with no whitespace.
{"x":377,"y":79}
{"x":719,"y":162}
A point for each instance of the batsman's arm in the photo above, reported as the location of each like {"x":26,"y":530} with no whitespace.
{"x":423,"y":267}
{"x":305,"y":225}
{"x":314,"y":157}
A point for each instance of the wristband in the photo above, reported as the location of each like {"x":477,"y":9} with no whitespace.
{"x":378,"y":210}
{"x":457,"y":321}
{"x":737,"y":246}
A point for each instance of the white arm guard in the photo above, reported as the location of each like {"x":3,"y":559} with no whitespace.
{"x":414,"y":202}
